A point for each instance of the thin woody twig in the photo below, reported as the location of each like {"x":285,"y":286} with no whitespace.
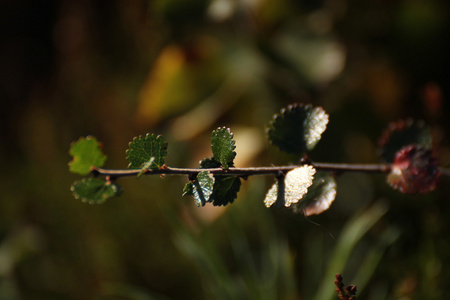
{"x":251,"y":171}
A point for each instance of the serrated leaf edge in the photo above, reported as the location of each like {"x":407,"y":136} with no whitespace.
{"x":117,"y":191}
{"x":145,"y":136}
{"x":233,"y":146}
{"x":291,"y":107}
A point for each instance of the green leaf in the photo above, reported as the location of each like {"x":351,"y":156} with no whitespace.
{"x":297,"y":128}
{"x":403,"y":133}
{"x":86,"y":153}
{"x":223,"y":145}
{"x":146,"y":166}
{"x":225,"y":189}
{"x":295,"y":187}
{"x":94,"y":190}
{"x":202,"y":188}
{"x":320,"y":196}
{"x":143,"y":148}
{"x":188,"y":189}
{"x":209,"y":163}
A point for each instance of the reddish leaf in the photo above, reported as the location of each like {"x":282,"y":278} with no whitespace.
{"x":403,"y":133}
{"x":414,"y":170}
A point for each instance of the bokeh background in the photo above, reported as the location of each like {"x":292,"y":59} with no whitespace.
{"x":118,"y":69}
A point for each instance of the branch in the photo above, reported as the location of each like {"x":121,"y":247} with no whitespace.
{"x":332,"y":167}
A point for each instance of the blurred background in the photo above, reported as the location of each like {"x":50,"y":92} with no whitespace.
{"x":118,"y":69}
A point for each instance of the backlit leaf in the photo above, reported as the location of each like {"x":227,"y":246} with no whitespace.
{"x":225,"y":188}
{"x":275,"y":194}
{"x":86,"y":154}
{"x":202,"y":188}
{"x":320,"y":196}
{"x":403,"y":133}
{"x":296,"y":184}
{"x":94,"y":190}
{"x":188,"y":189}
{"x":143,"y":148}
{"x":297,"y":128}
{"x":223,"y":145}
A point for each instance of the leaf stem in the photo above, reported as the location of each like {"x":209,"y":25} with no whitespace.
{"x":251,"y":171}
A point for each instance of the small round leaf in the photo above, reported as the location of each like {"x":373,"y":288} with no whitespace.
{"x":320,"y":196}
{"x":296,"y":184}
{"x":202,"y":188}
{"x":297,"y":128}
{"x":222,"y":146}
{"x":415,"y":170}
{"x":225,"y":190}
{"x":94,"y":190}
{"x":143,"y":149}
{"x":86,"y":154}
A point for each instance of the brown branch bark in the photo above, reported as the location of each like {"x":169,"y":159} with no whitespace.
{"x":244,"y":172}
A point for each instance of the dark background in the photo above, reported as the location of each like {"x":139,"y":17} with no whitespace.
{"x":118,"y":69}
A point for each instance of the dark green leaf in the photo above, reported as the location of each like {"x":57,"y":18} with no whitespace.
{"x":403,"y":133}
{"x":223,"y":145}
{"x":94,"y":190}
{"x":297,"y":128}
{"x":320,"y":196}
{"x":86,"y":153}
{"x":143,"y":148}
{"x":225,"y":189}
{"x":209,"y":163}
{"x":202,"y":188}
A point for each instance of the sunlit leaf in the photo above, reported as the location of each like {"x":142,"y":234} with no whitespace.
{"x":143,"y":148}
{"x":188,"y":189}
{"x":403,"y":133}
{"x":223,"y":145}
{"x":275,"y":194}
{"x":415,"y":170}
{"x":225,"y":190}
{"x":297,"y":128}
{"x":296,"y":184}
{"x":202,"y":188}
{"x":94,"y":190}
{"x":86,"y":153}
{"x":320,"y":196}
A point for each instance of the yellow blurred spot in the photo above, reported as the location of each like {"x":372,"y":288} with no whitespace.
{"x":153,"y":93}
